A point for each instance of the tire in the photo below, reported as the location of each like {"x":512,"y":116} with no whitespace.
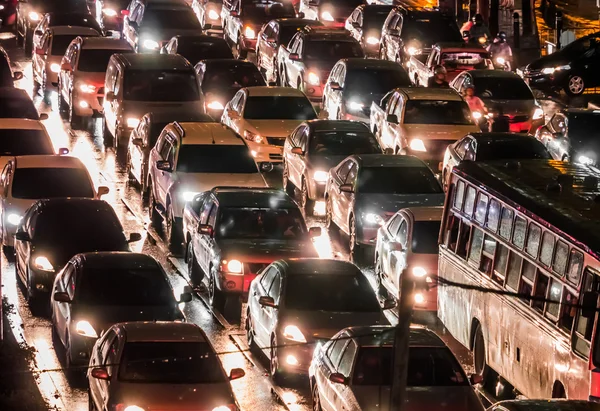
{"x":174,"y":231}
{"x":288,"y":187}
{"x":91,"y":406}
{"x":75,"y":120}
{"x":575,"y":85}
{"x":277,"y":375}
{"x":216,"y":298}
{"x":155,"y":218}
{"x":250,"y":332}
{"x":194,"y":271}
{"x":378,"y":275}
{"x":34,"y":301}
{"x":479,"y":358}
{"x":316,"y":401}
{"x":332,"y":228}
{"x":307,"y":204}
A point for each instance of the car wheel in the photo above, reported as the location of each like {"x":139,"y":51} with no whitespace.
{"x":378,"y":274}
{"x":215,"y":296}
{"x":287,"y":184}
{"x":307,"y":204}
{"x":575,"y":85}
{"x":155,"y":218}
{"x":173,"y":231}
{"x":196,"y":274}
{"x":75,"y":120}
{"x":250,"y":332}
{"x":316,"y":401}
{"x":329,"y":223}
{"x":274,"y":370}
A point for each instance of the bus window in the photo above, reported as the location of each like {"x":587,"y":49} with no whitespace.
{"x":481,"y":209}
{"x":584,"y":326}
{"x":500,"y":264}
{"x":533,"y":240}
{"x":552,"y":309}
{"x":470,"y":201}
{"x":560,"y":258}
{"x":463,"y":240}
{"x":487,"y":254}
{"x":568,"y":312}
{"x":541,"y":289}
{"x":459,"y":195}
{"x":493,"y":215}
{"x":527,"y":278}
{"x":519,"y":233}
{"x":548,"y":241}
{"x":451,"y":237}
{"x":514,"y":270}
{"x":575,"y":265}
{"x":506,"y":223}
{"x":476,"y":243}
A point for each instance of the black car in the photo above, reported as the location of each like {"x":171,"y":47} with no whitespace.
{"x":62,"y":18}
{"x":16,"y":103}
{"x":220,"y":79}
{"x":198,"y":47}
{"x":7,"y":76}
{"x":572,"y":69}
{"x":545,"y":405}
{"x":53,"y":231}
{"x":571,"y":135}
{"x":366,"y":23}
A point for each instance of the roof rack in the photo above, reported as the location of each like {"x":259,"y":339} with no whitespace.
{"x":179,"y":129}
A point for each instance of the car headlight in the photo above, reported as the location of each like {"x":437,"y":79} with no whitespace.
{"x":476,"y":115}
{"x":257,"y":138}
{"x":416,"y":144}
{"x":372,"y":40}
{"x":150,"y":44}
{"x":14,"y":219}
{"x":412,"y":50}
{"x":320,"y":176}
{"x":109,"y":12}
{"x":87,"y":88}
{"x":419,"y":272}
{"x":55,"y":67}
{"x":42,"y":263}
{"x":34,"y":16}
{"x":233,"y":266}
{"x":313,"y":78}
{"x":326,"y":16}
{"x":551,"y":70}
{"x":188,"y":195}
{"x":1,"y":7}
{"x":538,"y":113}
{"x":249,"y":32}
{"x":500,"y":60}
{"x":291,"y":332}
{"x":374,"y":219}
{"x":222,"y":408}
{"x":213,"y":15}
{"x":585,"y":160}
{"x":133,"y":408}
{"x":355,"y":106}
{"x":85,"y":328}
{"x":133,"y":122}
{"x":215,"y":105}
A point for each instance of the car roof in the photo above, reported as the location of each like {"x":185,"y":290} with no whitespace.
{"x":121,"y":259}
{"x":104,"y":43}
{"x":20,"y":123}
{"x":74,"y":30}
{"x":162,"y":331}
{"x":305,"y":266}
{"x":385,"y":160}
{"x":206,"y":133}
{"x":142,"y":61}
{"x":337,"y":125}
{"x":493,"y":74}
{"x":427,"y":93}
{"x":260,"y":197}
{"x":48,"y":161}
{"x":377,"y":335}
{"x":549,"y":405}
{"x":455,"y":46}
{"x":297,"y":22}
{"x":425,"y":213}
{"x":481,"y":137}
{"x":263,"y":91}
{"x":370,"y":64}
{"x":13,"y":93}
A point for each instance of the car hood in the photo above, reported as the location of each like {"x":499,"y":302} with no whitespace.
{"x":551,"y":60}
{"x":266,"y":251}
{"x":388,"y":204}
{"x":274,"y":128}
{"x":439,"y":131}
{"x":103,"y":316}
{"x":462,"y":398}
{"x":200,"y":182}
{"x":139,"y":108}
{"x":325,"y":324}
{"x":510,"y":107}
{"x":163,"y":35}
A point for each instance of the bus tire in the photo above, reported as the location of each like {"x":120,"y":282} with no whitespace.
{"x":479,"y":355}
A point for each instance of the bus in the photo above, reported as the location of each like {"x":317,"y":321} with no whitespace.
{"x":529,"y":227}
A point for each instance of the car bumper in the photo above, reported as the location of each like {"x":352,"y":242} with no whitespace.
{"x":265,"y":152}
{"x":314,"y":93}
{"x":81,"y":348}
{"x":41,"y":281}
{"x":429,"y":302}
{"x":87,"y":105}
{"x":229,"y":283}
{"x":364,"y":119}
{"x":296,"y":359}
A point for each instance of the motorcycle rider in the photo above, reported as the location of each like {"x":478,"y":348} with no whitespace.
{"x":438,"y":80}
{"x":478,"y":109}
{"x":478,"y":30}
{"x":501,"y":49}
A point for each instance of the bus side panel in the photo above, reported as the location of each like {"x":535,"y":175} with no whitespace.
{"x":577,"y":379}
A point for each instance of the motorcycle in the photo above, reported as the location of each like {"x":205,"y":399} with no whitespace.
{"x":501,"y":63}
{"x":483,"y":120}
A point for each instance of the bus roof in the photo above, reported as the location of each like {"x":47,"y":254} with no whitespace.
{"x":564,"y":195}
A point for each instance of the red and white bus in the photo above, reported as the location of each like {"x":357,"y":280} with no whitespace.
{"x":531,"y":227}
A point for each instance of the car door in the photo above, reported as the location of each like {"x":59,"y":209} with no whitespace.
{"x":232,"y":112}
{"x":398,"y":258}
{"x":164,"y":178}
{"x":295,"y":66}
{"x":62,"y":310}
{"x":199,"y":243}
{"x":136,"y":151}
{"x":261,"y":323}
{"x":337,"y":96}
{"x":387,"y":134}
{"x":343,"y":397}
{"x":346,"y":200}
{"x":38,"y":58}
{"x":387,"y":238}
{"x":264,"y":48}
{"x":130,"y":26}
{"x":297,"y":164}
{"x":65,"y":76}
{"x":208,"y":241}
{"x":270,"y":313}
{"x":111,"y":363}
{"x":352,"y":24}
{"x":22,"y":248}
{"x":331,"y":361}
{"x":99,"y":388}
{"x":5,"y":179}
{"x":395,"y":43}
{"x":339,"y":176}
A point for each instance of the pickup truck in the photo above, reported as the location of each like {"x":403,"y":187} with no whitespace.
{"x":455,"y":57}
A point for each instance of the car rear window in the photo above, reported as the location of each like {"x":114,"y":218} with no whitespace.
{"x":36,"y":183}
{"x":398,"y":180}
{"x":279,"y":108}
{"x":14,"y":142}
{"x":204,"y":158}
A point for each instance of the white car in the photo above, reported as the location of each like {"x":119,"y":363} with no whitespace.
{"x":26,"y":179}
{"x":265,"y":116}
{"x":48,"y":53}
{"x":190,"y":158}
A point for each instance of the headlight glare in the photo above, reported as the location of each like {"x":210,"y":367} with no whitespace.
{"x":476,"y":115}
{"x":416,"y":144}
{"x":313,"y":79}
{"x":588,"y":161}
{"x":235,"y":266}
{"x":538,"y":113}
{"x":221,"y":408}
{"x":132,"y":122}
{"x":355,"y":106}
{"x":85,"y":328}
{"x":215,"y":105}
{"x":42,"y":263}
{"x":412,"y":50}
{"x":33,"y":16}
{"x":372,"y":40}
{"x":500,"y":60}
{"x":249,"y":32}
{"x":548,"y":70}
{"x":109,"y":12}
{"x":55,"y":67}
{"x":213,"y":15}
{"x":419,"y":272}
{"x":257,"y":138}
{"x":321,"y":176}
{"x":133,"y":408}
{"x":87,"y":88}
{"x":291,"y":332}
{"x":150,"y":44}
{"x":326,"y":16}
{"x":374,"y":219}
{"x":14,"y":219}
{"x":188,"y":195}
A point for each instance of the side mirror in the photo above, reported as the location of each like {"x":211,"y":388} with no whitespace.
{"x":100,"y":373}
{"x":270,"y":40}
{"x":393,"y":32}
{"x":133,"y":237}
{"x":298,"y":150}
{"x":294,"y":57}
{"x":347,"y":188}
{"x":17,"y":75}
{"x":164,"y":165}
{"x":63,"y":151}
{"x":392,"y":118}
{"x":137,"y":142}
{"x":44,"y":116}
{"x":110,"y":96}
{"x":205,"y":229}
{"x":266,"y":167}
{"x":388,"y":150}
{"x":267,"y":301}
{"x":124,"y":12}
{"x":314,"y":232}
{"x":475,"y":379}
{"x":334,"y":85}
{"x":40,"y":51}
{"x":589,"y":303}
{"x":66,"y":67}
{"x":38,"y":32}
{"x":337,"y":378}
{"x":233,"y":114}
{"x":22,"y":236}
{"x":236,"y":373}
{"x":102,"y":190}
{"x":61,"y":297}
{"x":389,"y":303}
{"x":185,"y":298}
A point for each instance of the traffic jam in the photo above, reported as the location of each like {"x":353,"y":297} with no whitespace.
{"x":230,"y":205}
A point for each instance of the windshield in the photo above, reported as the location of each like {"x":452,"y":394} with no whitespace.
{"x":47,"y":6}
{"x":343,"y":143}
{"x":343,"y":4}
{"x":375,"y":81}
{"x":96,"y":60}
{"x":195,"y":51}
{"x":181,"y":19}
{"x":373,"y":19}
{"x":287,"y":32}
{"x":158,"y":85}
{"x":204,"y":158}
{"x":431,"y":30}
{"x":261,"y":223}
{"x":262,"y":12}
{"x":170,"y":363}
{"x":332,"y":293}
{"x":523,"y":148}
{"x":279,"y":108}
{"x":60,"y":43}
{"x":583,"y":126}
{"x":437,"y":112}
{"x":24,"y":142}
{"x":581,"y":46}
{"x":219,"y":78}
{"x":502,"y":88}
{"x":332,"y":50}
{"x":36,"y":183}
{"x":425,"y":237}
{"x":427,"y":367}
{"x":11,"y":107}
{"x":398,"y":180}
{"x":74,"y":19}
{"x":460,"y":61}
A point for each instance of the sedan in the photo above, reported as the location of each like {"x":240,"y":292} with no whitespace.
{"x":280,"y":315}
{"x":23,"y":137}
{"x":366,"y":23}
{"x":196,"y":47}
{"x":16,"y":103}
{"x":313,"y":148}
{"x":364,"y":191}
{"x":95,"y":290}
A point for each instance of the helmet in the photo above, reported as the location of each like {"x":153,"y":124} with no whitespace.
{"x":478,"y":18}
{"x":439,"y":69}
{"x":502,"y":36}
{"x":470,"y":86}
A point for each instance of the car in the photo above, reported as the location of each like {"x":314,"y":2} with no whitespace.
{"x":504,"y":94}
{"x":24,"y":137}
{"x":265,"y":116}
{"x":545,"y":405}
{"x":409,"y":32}
{"x":208,"y":13}
{"x":407,"y":244}
{"x":124,"y":360}
{"x":221,"y":79}
{"x":313,"y":148}
{"x":331,"y":13}
{"x":8,"y":14}
{"x":423,"y":121}
{"x":138,"y":83}
{"x":569,"y":135}
{"x":190,"y":158}
{"x":65,"y":18}
{"x":81,"y":77}
{"x":491,"y":146}
{"x":306,"y":62}
{"x":49,"y":52}
{"x":282,"y":318}
{"x":96,"y":290}
{"x":354,"y":84}
{"x":276,"y":33}
{"x":143,"y":138}
{"x":15,"y":103}
{"x":26,"y":179}
{"x":239,"y":231}
{"x":52,"y":231}
{"x":110,"y":14}
{"x":196,"y":47}
{"x":7,"y":75}
{"x":243,"y":21}
{"x":351,"y":370}
{"x":366,"y":23}
{"x":150,"y":26}
{"x":571,"y":69}
{"x":364,"y":191}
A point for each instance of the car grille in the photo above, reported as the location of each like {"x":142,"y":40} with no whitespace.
{"x":276,"y":141}
{"x":275,"y":157}
{"x":254,"y":268}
